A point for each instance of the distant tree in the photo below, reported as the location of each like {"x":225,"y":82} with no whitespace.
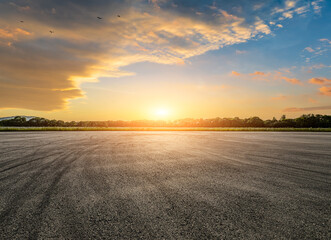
{"x":306,"y":121}
{"x":255,"y":122}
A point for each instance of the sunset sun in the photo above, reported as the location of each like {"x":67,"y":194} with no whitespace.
{"x":161,"y":112}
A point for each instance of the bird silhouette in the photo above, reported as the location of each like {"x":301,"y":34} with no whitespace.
{"x":99,"y":17}
{"x":118,"y":15}
{"x":51,"y":32}
{"x":22,"y":21}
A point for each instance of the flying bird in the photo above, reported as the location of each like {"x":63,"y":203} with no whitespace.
{"x":51,"y":32}
{"x":22,"y":21}
{"x":118,"y":15}
{"x":99,"y":17}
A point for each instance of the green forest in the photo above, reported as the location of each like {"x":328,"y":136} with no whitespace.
{"x":305,"y":121}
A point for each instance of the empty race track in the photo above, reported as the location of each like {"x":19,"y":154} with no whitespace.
{"x":165,"y":185}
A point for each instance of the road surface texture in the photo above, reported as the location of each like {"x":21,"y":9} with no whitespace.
{"x":165,"y":185}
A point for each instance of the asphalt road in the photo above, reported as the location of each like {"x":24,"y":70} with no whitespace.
{"x":165,"y":185}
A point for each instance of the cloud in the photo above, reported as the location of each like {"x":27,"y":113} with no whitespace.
{"x":289,"y":8}
{"x":320,"y":81}
{"x":325,"y":40}
{"x":309,"y":49}
{"x":41,"y":99}
{"x":234,"y":73}
{"x":8,"y":35}
{"x":301,"y":10}
{"x":288,"y":69}
{"x":290,"y":3}
{"x":44,"y":67}
{"x":316,"y":81}
{"x":261,"y":27}
{"x":307,"y":109}
{"x":257,"y":73}
{"x":269,"y":76}
{"x":239,"y":52}
{"x":318,"y":66}
{"x":280,"y":97}
{"x":316,"y":6}
{"x":20,"y":8}
{"x":258,"y":6}
{"x":322,"y":47}
{"x":292,"y":80}
{"x":288,"y":14}
{"x":312,"y":100}
{"x":325,"y":91}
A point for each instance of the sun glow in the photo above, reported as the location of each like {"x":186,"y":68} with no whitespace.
{"x":162,"y":112}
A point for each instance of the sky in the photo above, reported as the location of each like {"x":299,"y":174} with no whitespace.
{"x":164,"y":59}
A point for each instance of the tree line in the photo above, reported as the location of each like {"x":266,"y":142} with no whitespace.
{"x":305,"y":121}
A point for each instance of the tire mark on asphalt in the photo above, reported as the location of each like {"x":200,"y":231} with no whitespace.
{"x":137,"y":183}
{"x":123,"y":207}
{"x":35,"y":151}
{"x":27,"y":189}
{"x":23,"y":192}
{"x":40,"y":209}
{"x":252,"y":162}
{"x":27,"y":162}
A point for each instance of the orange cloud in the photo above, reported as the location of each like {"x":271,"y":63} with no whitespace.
{"x":8,"y":36}
{"x":235,"y":73}
{"x":21,"y":31}
{"x":325,"y":91}
{"x":268,"y":76}
{"x":139,"y":47}
{"x":258,"y":73}
{"x":5,"y":34}
{"x":42,"y":99}
{"x":280,"y":97}
{"x":180,"y":62}
{"x":308,"y":109}
{"x":319,"y":81}
{"x":312,"y":100}
{"x":292,"y":80}
{"x":13,"y":33}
